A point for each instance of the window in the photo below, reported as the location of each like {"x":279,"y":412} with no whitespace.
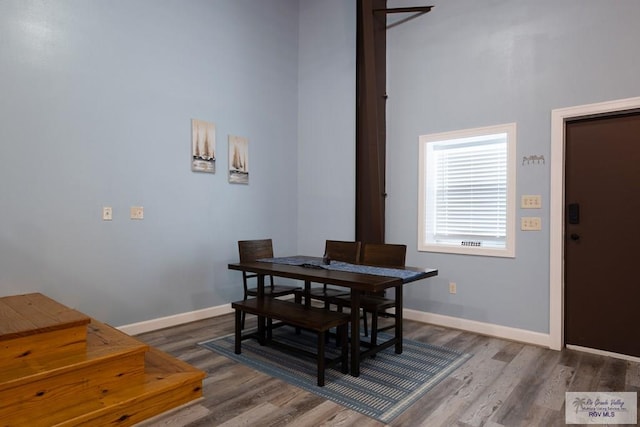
{"x":467,"y":191}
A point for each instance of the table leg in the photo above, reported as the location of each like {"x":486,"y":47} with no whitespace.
{"x":399,"y":316}
{"x":355,"y":333}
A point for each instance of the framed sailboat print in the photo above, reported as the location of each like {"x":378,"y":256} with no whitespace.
{"x":238,"y":160}
{"x":203,"y":146}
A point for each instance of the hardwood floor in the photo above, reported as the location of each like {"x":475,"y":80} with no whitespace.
{"x":504,"y":384}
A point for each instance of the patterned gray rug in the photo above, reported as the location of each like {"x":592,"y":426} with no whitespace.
{"x":388,"y":384}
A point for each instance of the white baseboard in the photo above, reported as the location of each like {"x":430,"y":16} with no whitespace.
{"x":174,"y":320}
{"x":604,"y":353}
{"x":529,"y":337}
{"x":514,"y":334}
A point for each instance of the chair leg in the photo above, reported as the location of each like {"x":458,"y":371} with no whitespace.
{"x":297,"y":296}
{"x":374,"y":328}
{"x":338,"y":331}
{"x":327,"y":306}
{"x":244,"y":315}
{"x":364,"y":319}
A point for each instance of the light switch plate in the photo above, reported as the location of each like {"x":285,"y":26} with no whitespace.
{"x":531,"y":201}
{"x":531,"y":223}
{"x":107,"y":213}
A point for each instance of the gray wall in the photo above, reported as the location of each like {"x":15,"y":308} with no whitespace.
{"x":326,"y":123}
{"x":476,"y":63}
{"x":95,"y":109}
{"x":470,"y":64}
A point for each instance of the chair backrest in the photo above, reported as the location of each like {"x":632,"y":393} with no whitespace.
{"x":338,"y":250}
{"x":383,"y":254}
{"x":251,"y":250}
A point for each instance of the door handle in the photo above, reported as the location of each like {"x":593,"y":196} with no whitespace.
{"x":575,"y":237}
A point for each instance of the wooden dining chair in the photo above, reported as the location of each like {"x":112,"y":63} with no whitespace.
{"x":379,"y":255}
{"x":383,"y":254}
{"x":334,"y":250}
{"x":252,"y":250}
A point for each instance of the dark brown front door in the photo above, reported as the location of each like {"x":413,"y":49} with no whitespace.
{"x":602,"y":230}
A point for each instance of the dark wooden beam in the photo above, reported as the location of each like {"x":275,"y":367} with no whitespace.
{"x":371,"y":115}
{"x":370,"y":122}
{"x":420,"y":9}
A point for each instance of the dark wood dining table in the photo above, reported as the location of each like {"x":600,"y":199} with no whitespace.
{"x":357,"y":282}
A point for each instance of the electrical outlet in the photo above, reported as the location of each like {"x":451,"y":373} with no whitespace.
{"x":452,"y":288}
{"x":136,"y":212}
{"x":531,"y":202}
{"x":531,"y":223}
{"x":107,"y":213}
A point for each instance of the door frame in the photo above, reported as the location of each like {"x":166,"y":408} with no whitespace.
{"x":559,"y":117}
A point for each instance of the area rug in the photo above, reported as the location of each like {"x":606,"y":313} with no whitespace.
{"x":388,"y":383}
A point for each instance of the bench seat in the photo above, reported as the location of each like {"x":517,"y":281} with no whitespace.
{"x":311,"y":318}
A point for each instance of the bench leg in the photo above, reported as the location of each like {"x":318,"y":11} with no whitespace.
{"x":238,"y":337}
{"x":321,"y":358}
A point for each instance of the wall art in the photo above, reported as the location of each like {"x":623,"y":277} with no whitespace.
{"x":238,"y":160}
{"x":203,"y":146}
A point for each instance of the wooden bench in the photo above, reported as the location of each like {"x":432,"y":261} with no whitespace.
{"x":311,"y":318}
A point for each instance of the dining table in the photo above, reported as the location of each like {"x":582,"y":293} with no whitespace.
{"x":358,"y":278}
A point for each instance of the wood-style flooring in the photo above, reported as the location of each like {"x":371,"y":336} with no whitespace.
{"x":505,"y":384}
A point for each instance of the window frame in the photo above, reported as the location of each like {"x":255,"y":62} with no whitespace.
{"x":482,"y":132}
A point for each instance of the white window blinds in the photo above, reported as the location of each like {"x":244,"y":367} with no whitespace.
{"x":466,"y":191}
{"x":471,"y":191}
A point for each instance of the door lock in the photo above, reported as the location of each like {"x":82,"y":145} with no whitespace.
{"x":574,"y":213}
